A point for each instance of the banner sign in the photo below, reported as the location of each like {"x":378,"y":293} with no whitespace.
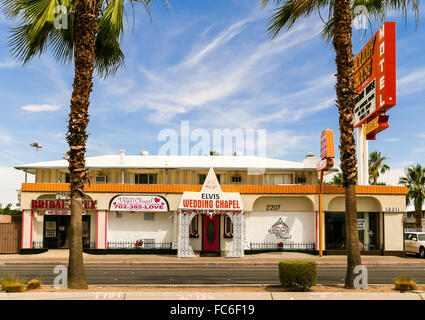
{"x":61,"y":204}
{"x":376,"y":125}
{"x":375,"y":75}
{"x":327,"y":144}
{"x":211,"y":201}
{"x":149,"y":203}
{"x":361,"y":224}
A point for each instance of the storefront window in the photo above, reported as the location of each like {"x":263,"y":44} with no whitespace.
{"x":335,"y":233}
{"x":193,"y":228}
{"x":145,"y":178}
{"x":228,"y":227}
{"x":276,"y":179}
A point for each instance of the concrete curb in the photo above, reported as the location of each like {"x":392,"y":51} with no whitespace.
{"x":210,"y":296}
{"x":208,"y":263}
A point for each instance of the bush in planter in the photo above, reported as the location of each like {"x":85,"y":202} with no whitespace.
{"x":297,"y":275}
{"x":33,"y":284}
{"x":405,"y":284}
{"x":12,"y":284}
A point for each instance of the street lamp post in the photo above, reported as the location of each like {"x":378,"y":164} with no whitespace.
{"x":37,"y":147}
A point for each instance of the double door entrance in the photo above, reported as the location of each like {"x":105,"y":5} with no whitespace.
{"x":56,"y":231}
{"x":210,"y":235}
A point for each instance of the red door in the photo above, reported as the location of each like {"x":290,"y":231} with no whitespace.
{"x":211,"y":233}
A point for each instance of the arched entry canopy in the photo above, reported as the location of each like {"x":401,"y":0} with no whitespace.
{"x":364,"y":204}
{"x":210,"y":201}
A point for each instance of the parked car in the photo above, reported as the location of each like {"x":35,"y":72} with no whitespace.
{"x":414,"y":242}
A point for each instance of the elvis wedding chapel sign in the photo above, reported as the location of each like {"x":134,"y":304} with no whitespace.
{"x":210,"y":201}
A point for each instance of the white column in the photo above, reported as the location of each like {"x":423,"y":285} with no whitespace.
{"x":359,"y":156}
{"x":362,"y":157}
{"x":237,"y":246}
{"x":183,"y":247}
{"x":102,"y":229}
{"x":27,"y":229}
{"x":365,"y":159}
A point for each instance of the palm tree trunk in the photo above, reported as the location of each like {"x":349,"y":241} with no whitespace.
{"x":418,"y":216}
{"x":345,"y":102}
{"x":86,"y":26}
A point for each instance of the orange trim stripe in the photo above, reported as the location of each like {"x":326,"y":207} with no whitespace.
{"x":146,"y":188}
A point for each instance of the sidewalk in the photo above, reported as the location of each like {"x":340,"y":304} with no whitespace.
{"x":211,"y":296}
{"x":61,"y":257}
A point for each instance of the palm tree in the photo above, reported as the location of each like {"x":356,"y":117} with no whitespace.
{"x":415,"y":183}
{"x":376,"y":166}
{"x":338,"y":29}
{"x":92,"y":39}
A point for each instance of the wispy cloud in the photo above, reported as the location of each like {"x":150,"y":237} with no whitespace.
{"x":40,"y":107}
{"x":411,"y":82}
{"x":224,"y":37}
{"x":5,"y":139}
{"x":173,"y":91}
{"x":8,"y":64}
{"x":392,"y":139}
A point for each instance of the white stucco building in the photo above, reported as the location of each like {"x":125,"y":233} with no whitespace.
{"x":176,"y":203}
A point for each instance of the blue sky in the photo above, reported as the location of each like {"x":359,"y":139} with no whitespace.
{"x":210,"y":63}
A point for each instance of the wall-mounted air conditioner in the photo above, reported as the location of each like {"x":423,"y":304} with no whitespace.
{"x":101,"y":179}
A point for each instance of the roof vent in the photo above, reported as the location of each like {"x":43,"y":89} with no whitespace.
{"x":144,"y":153}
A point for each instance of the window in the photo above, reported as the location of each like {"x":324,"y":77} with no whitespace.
{"x":101,"y":179}
{"x":202,"y":178}
{"x":67,"y":177}
{"x":236,"y":179}
{"x":228,"y":227}
{"x":335,"y":233}
{"x":193,"y":228}
{"x":301,"y":180}
{"x":145,"y":178}
{"x":149,"y":216}
{"x":275,"y":179}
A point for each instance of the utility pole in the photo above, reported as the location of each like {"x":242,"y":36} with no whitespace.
{"x":37,"y":147}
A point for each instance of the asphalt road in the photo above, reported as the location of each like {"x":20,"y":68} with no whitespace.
{"x":206,"y":275}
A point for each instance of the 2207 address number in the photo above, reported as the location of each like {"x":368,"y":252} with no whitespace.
{"x":272,"y":207}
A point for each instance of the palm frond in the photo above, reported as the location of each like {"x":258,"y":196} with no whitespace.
{"x":291,"y":11}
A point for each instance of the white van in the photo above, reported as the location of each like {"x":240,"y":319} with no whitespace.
{"x":414,"y":242}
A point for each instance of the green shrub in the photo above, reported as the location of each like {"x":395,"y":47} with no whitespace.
{"x":13,"y":286}
{"x":405,"y":284}
{"x":297,"y":275}
{"x":11,"y":278}
{"x":33,"y":284}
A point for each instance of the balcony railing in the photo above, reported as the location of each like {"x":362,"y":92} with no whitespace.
{"x":244,"y":189}
{"x":43,"y":244}
{"x":144,"y":245}
{"x":285,"y":246}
